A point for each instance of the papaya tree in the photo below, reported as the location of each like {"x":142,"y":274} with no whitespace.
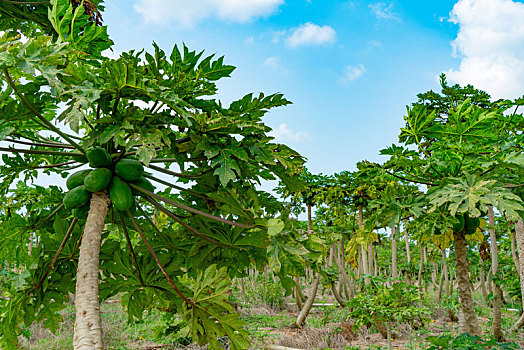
{"x":457,"y":144}
{"x":162,"y":203}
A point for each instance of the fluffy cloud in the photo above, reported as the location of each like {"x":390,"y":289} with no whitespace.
{"x":381,"y":10}
{"x":272,"y":62}
{"x":188,"y":12}
{"x":311,"y":34}
{"x":352,"y":73}
{"x":284,"y":134}
{"x":490,"y":44}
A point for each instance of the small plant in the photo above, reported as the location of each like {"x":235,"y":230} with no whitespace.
{"x":385,"y":307}
{"x":466,"y":341}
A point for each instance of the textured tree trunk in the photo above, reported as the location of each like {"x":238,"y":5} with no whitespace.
{"x":464,"y":286}
{"x":88,"y":327}
{"x":301,"y":319}
{"x":514,"y":252}
{"x":394,"y":271}
{"x":375,"y":262}
{"x":483,"y":283}
{"x":408,"y":253}
{"x":364,"y":253}
{"x":440,"y":285}
{"x":309,"y":222}
{"x":497,"y":316}
{"x":445,"y":271}
{"x":519,"y":235}
{"x":421,"y":264}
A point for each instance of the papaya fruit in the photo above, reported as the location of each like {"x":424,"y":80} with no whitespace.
{"x":76,"y":198}
{"x":458,"y":226}
{"x":120,"y":194}
{"x":129,"y":169}
{"x":77,"y":179}
{"x":471,"y":224}
{"x":98,"y":179}
{"x":98,"y":157}
{"x":81,"y":213}
{"x":145,"y":184}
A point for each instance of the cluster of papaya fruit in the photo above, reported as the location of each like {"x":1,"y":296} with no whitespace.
{"x":466,"y":223}
{"x":113,"y":176}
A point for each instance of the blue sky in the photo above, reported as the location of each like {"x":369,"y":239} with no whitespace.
{"x":349,"y":67}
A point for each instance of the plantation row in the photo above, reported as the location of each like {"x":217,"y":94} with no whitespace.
{"x":163,"y":209}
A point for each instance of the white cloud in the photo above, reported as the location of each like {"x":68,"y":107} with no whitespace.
{"x":187,"y":13}
{"x":311,"y":34}
{"x":382,"y":10}
{"x":272,"y":62}
{"x":490,"y":43}
{"x":284,"y":134}
{"x":352,"y":73}
{"x":249,"y":40}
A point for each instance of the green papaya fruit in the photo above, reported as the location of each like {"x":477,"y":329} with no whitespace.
{"x":98,"y":157}
{"x":120,"y":194}
{"x":76,"y":198}
{"x":98,"y":179}
{"x":132,"y":209}
{"x":471,"y":224}
{"x":458,"y":226}
{"x":77,"y":179}
{"x":145,"y":184}
{"x":129,"y":169}
{"x":81,"y":213}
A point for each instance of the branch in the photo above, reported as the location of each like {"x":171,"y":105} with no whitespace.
{"x":26,"y":2}
{"x":37,"y":114}
{"x":192,"y":210}
{"x":180,"y":188}
{"x":164,"y":272}
{"x":54,"y":165}
{"x":174,"y":173}
{"x":62,"y":245}
{"x":133,"y":256}
{"x":410,"y":180}
{"x":37,"y":151}
{"x":185,"y":225}
{"x":40,"y":144}
{"x":49,"y":217}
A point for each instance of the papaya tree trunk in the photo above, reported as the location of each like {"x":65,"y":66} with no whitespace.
{"x":497,"y":316}
{"x":309,"y":221}
{"x":519,"y":235}
{"x":464,"y":286}
{"x":88,"y":326}
{"x":420,"y":266}
{"x":408,"y":253}
{"x":301,"y":319}
{"x":514,"y":252}
{"x":394,"y":271}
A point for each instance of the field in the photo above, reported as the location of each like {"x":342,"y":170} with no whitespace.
{"x":268,"y":317}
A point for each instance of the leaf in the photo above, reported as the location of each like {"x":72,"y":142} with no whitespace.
{"x":274,"y":227}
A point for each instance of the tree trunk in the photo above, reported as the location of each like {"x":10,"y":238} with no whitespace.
{"x":394,"y":271}
{"x":514,"y":252}
{"x":301,"y":319}
{"x":519,"y":235}
{"x":483,"y":283}
{"x":408,"y":253}
{"x":464,"y":286}
{"x":309,"y":222}
{"x":445,"y":271}
{"x":497,"y":316}
{"x":421,"y":264}
{"x":440,"y":285}
{"x":88,"y":327}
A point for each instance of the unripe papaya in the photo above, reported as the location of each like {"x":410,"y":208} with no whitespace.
{"x":120,"y":194}
{"x":471,"y":224}
{"x":98,"y":157}
{"x":81,"y":213}
{"x":76,"y":198}
{"x":98,"y":179}
{"x":145,"y":184}
{"x":77,"y":179}
{"x":458,"y":226}
{"x":129,"y":169}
